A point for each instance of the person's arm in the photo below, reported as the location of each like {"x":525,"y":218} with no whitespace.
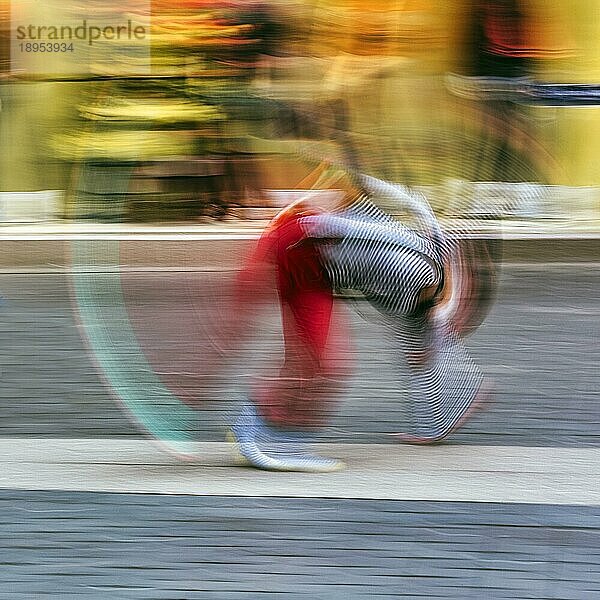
{"x":415,"y":202}
{"x":336,"y":227}
{"x":326,"y":226}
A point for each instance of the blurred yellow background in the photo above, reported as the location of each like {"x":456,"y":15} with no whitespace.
{"x":384,"y":62}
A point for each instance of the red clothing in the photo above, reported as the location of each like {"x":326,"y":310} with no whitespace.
{"x":313,"y":350}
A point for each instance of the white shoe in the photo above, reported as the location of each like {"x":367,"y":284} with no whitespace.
{"x":304,"y":463}
{"x":277,"y":455}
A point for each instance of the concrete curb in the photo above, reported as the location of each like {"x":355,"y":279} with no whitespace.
{"x":454,"y":473}
{"x":224,"y":250}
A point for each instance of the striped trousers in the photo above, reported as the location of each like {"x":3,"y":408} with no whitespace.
{"x":398,"y":271}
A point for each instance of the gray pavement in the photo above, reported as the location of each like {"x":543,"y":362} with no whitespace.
{"x":539,"y":345}
{"x":509,"y":508}
{"x":400,"y":523}
{"x":139,"y":546}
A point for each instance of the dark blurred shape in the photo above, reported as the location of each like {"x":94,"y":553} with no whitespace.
{"x":500,"y":39}
{"x":509,"y":38}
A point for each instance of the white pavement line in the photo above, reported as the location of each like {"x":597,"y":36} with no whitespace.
{"x":444,"y":473}
{"x":135,"y":237}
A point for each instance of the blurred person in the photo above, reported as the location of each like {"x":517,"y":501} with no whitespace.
{"x":510,"y":44}
{"x":398,"y":269}
{"x":500,"y":54}
{"x":500,"y":36}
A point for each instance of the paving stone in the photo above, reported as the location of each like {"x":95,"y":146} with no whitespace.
{"x":150,"y":546}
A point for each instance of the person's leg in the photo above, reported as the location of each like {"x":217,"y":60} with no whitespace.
{"x":290,"y":400}
{"x":294,"y":403}
{"x":444,"y":380}
{"x":287,"y":410}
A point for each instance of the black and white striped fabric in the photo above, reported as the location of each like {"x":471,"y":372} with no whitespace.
{"x":365,"y":249}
